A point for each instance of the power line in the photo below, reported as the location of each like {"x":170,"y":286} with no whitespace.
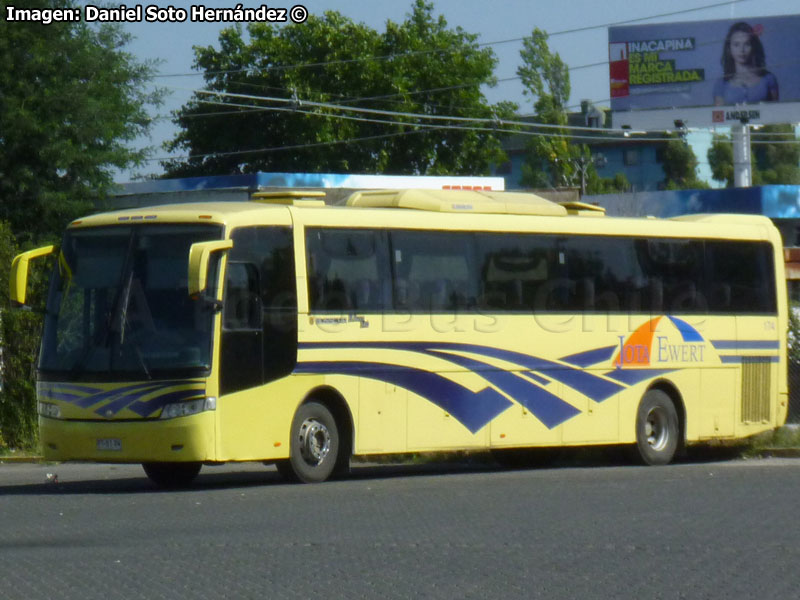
{"x":599,"y":137}
{"x":430,"y":117}
{"x":293,"y":147}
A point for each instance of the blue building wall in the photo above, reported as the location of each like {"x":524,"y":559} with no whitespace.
{"x":645,"y":175}
{"x":774,"y":201}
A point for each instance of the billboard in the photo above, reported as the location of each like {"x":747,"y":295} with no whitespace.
{"x":725,"y":63}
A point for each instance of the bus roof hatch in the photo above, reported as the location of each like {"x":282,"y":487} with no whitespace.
{"x":463,"y":201}
{"x":291,"y":197}
{"x":583,"y":209}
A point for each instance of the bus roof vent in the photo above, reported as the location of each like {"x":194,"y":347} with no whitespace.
{"x":290,"y":197}
{"x":583,"y":209}
{"x":459,"y":201}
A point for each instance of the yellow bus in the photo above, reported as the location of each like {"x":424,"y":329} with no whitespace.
{"x":286,"y":331}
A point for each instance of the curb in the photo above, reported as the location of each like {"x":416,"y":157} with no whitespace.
{"x":780,"y":452}
{"x":21,"y":459}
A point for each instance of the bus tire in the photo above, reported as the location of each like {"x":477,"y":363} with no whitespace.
{"x":314,"y":444}
{"x":172,"y":475}
{"x":657,"y":429}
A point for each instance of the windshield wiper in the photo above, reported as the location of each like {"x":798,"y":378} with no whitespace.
{"x":116,"y":307}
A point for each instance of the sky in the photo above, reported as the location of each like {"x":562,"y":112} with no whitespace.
{"x":171,"y":43}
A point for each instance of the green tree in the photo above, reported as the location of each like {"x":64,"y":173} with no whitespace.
{"x":607,"y":185}
{"x":775,"y":158}
{"x":19,"y":341}
{"x":720,"y":157}
{"x":417,"y":66}
{"x":680,"y":167}
{"x":552,"y":159}
{"x":777,"y":155}
{"x":71,"y":101}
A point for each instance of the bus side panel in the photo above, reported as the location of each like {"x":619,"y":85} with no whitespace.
{"x":710,"y":412}
{"x":712,"y":415}
{"x":255,"y":424}
{"x":382,"y":417}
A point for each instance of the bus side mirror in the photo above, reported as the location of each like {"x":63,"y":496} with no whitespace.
{"x":18,"y":279}
{"x":199,"y":254}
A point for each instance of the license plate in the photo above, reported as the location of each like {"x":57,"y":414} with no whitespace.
{"x":109,"y":444}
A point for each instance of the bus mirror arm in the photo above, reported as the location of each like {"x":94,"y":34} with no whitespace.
{"x":18,"y":278}
{"x":199,"y":255}
{"x":212,"y":303}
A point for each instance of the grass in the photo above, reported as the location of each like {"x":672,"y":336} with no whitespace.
{"x":18,"y":453}
{"x":781,"y":438}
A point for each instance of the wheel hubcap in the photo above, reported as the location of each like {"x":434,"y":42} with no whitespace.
{"x":657,"y":428}
{"x":315,"y":442}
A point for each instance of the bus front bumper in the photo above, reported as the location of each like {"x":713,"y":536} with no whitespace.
{"x":183,"y":439}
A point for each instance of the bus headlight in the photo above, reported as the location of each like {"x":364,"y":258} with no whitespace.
{"x":48,"y":409}
{"x":190,"y":407}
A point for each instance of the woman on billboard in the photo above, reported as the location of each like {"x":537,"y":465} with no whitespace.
{"x":745,"y":78}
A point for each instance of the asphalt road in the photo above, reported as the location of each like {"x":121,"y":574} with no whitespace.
{"x":702,"y":530}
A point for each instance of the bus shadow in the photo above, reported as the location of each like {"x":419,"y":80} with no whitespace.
{"x":388,"y":468}
{"x":125,"y":484}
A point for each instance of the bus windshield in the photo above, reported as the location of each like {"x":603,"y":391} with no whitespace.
{"x":119,"y":307}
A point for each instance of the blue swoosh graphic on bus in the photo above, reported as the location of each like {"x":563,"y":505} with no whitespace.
{"x":634,"y":376}
{"x":594,"y":387}
{"x":746,"y":344}
{"x":688,"y":333}
{"x":65,"y":391}
{"x":741,"y":359}
{"x":103,"y":395}
{"x":473,"y":409}
{"x":150,"y":406}
{"x":128,"y":396}
{"x":134,"y":403}
{"x":536,"y":378}
{"x":121,"y":397}
{"x":590,"y":357}
{"x":548,"y":408}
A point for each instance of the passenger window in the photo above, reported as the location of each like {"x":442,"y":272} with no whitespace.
{"x":347,"y":270}
{"x":514,"y":270}
{"x":740,"y":277}
{"x":674,"y":269}
{"x":432,"y":271}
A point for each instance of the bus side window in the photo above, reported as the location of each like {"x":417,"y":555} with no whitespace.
{"x":674,"y":269}
{"x":432,"y":271}
{"x":514,"y":270}
{"x":347,"y":269}
{"x":740,"y":277}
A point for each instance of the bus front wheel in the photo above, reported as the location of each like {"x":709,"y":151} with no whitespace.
{"x":172,"y":475}
{"x":314,"y":445}
{"x":657,"y":428}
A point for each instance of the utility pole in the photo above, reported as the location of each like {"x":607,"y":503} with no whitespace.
{"x":742,"y":167}
{"x":582,"y":163}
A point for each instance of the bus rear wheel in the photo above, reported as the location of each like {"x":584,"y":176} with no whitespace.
{"x":172,"y":475}
{"x":314,"y":445}
{"x":657,"y":429}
